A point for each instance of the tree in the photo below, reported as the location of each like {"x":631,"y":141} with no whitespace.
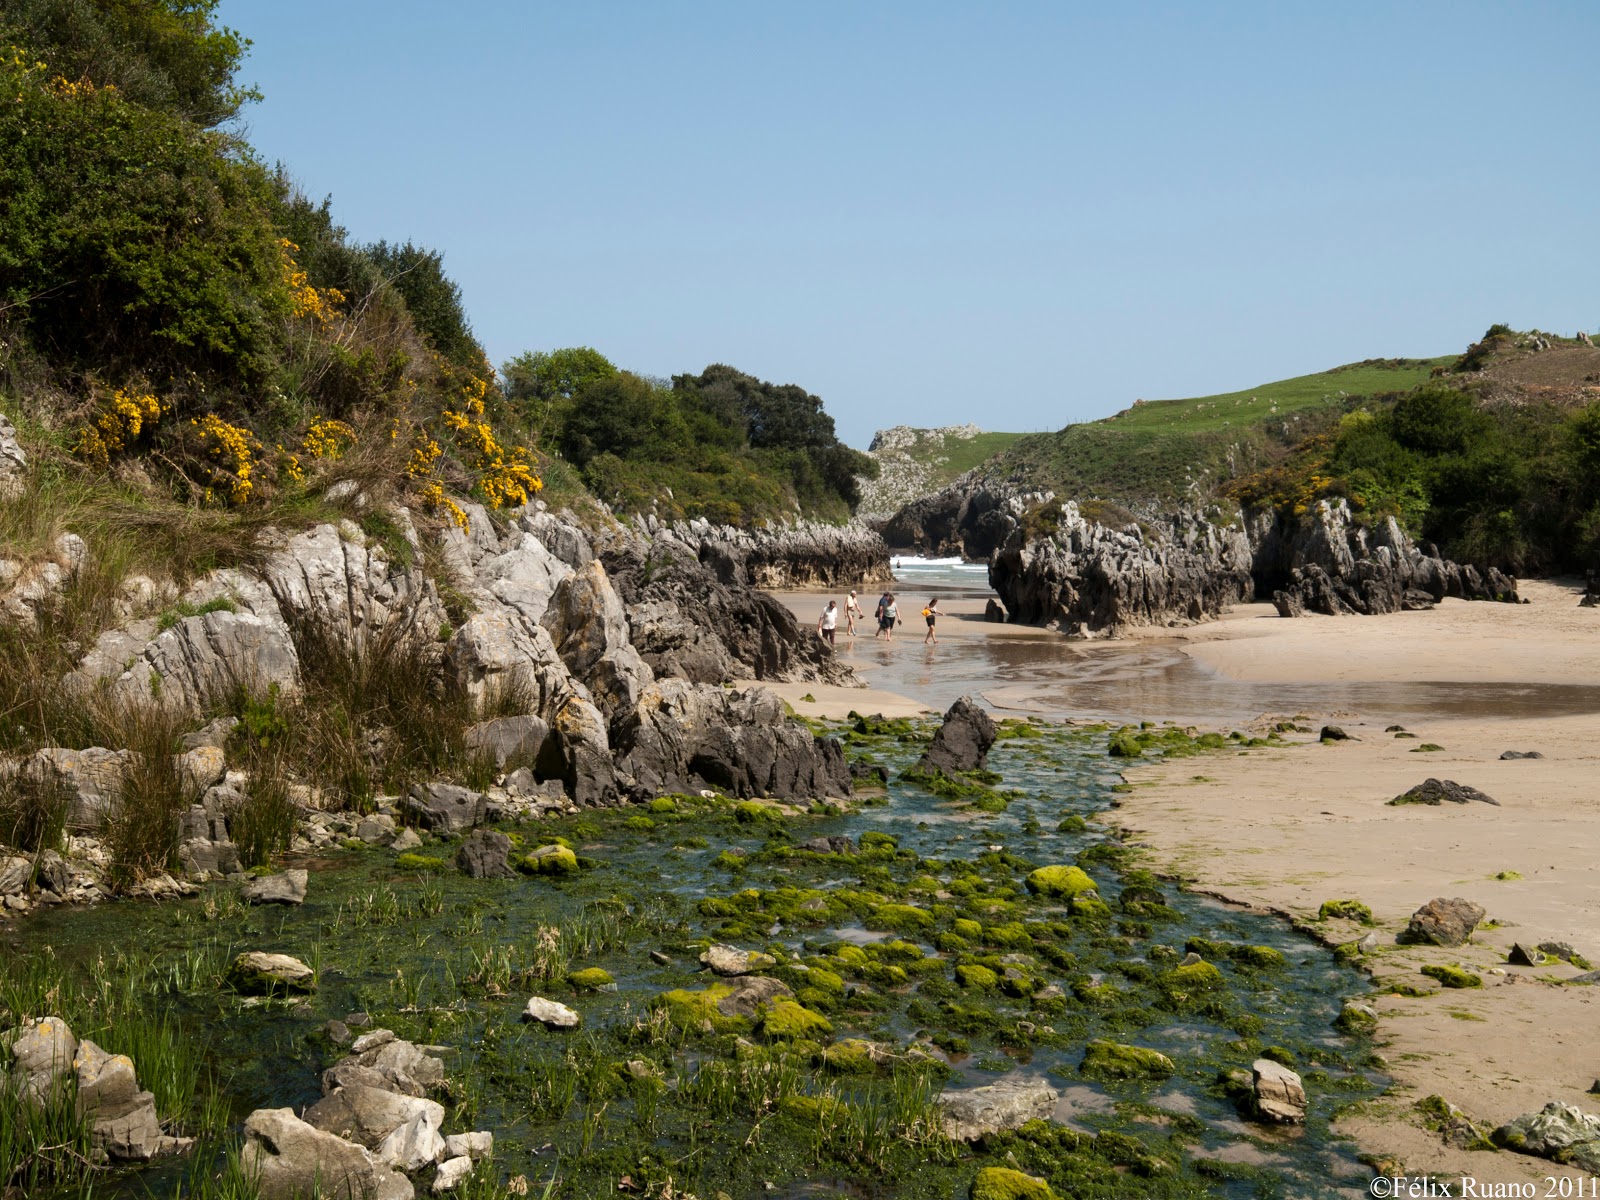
{"x":434,"y":299}
{"x":623,"y":415}
{"x":541,"y":384}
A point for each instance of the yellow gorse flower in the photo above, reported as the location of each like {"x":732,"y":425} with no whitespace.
{"x":328,"y":438}
{"x":231,"y":449}
{"x":319,"y":304}
{"x":126,"y":416}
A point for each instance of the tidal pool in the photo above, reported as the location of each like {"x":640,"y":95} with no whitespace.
{"x":644,"y":1099}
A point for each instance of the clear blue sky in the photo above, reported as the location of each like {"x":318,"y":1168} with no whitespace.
{"x":1019,"y":215}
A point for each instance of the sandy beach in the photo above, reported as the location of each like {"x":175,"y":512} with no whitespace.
{"x":1284,"y":829}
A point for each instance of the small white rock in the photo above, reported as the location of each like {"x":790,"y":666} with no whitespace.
{"x":471,"y":1145}
{"x":451,"y":1173}
{"x":551,"y":1014}
{"x":369,"y":1041}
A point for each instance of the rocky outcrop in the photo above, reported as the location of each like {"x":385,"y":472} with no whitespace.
{"x":1279,"y":1094}
{"x":1562,"y":1132}
{"x":290,"y":1158}
{"x":1441,"y":791}
{"x":808,"y":554}
{"x":29,"y":590}
{"x":974,"y":1113}
{"x":912,"y":463}
{"x":13,"y":462}
{"x":962,"y":740}
{"x":1084,"y":577}
{"x":972,"y":517}
{"x":685,"y":736}
{"x":586,"y":621}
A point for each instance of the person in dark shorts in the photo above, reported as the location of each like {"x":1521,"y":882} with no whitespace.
{"x":883,"y":605}
{"x":890,"y":617}
{"x":932,"y":614}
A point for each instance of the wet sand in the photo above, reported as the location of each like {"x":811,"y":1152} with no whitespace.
{"x":1284,"y":829}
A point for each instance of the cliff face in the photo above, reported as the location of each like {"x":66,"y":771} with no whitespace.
{"x":808,"y":554}
{"x":1053,"y":565}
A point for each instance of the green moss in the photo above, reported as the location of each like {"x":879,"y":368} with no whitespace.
{"x":968,"y":928}
{"x":1452,"y":976}
{"x":639,"y":823}
{"x":1427,"y":748}
{"x":971,"y":975}
{"x":1112,"y":1060}
{"x":788,"y":1020}
{"x":855,"y":956}
{"x":590,"y":979}
{"x":698,"y":1010}
{"x":550,"y":860}
{"x":1090,"y":907}
{"x":751,"y":812}
{"x":877,"y":840}
{"x":853,"y":1056}
{"x":1353,"y":1020}
{"x":1345,"y":910}
{"x":897,"y":951}
{"x":1059,"y":881}
{"x":663,"y":804}
{"x":824,"y":980}
{"x":1002,"y":1183}
{"x":1507,"y":876}
{"x":419,"y":862}
{"x":1196,"y":977}
{"x":1256,"y":957}
{"x":901,"y":918}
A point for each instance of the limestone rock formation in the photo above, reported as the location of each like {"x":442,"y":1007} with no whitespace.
{"x":586,"y":621}
{"x":1280,"y":1096}
{"x":13,"y":462}
{"x":962,"y":741}
{"x":291,"y":1158}
{"x":1563,"y":1132}
{"x":973,"y":1113}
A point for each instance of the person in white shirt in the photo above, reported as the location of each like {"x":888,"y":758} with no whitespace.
{"x":828,"y":622}
{"x":852,"y":610}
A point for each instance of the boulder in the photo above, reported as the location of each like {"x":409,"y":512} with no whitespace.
{"x":551,"y":1014}
{"x":15,"y":874}
{"x":444,"y":807}
{"x":452,"y":1173}
{"x":974,"y":1113}
{"x":963,"y":740}
{"x":830,"y":845}
{"x":1515,"y":754}
{"x":479,"y":1144}
{"x":1521,"y":956}
{"x":589,"y":627}
{"x":290,"y":1159}
{"x":750,"y":994}
{"x":1280,"y":1097}
{"x":125,"y":1126}
{"x":380,"y":1060}
{"x":1442,"y":922}
{"x":726,"y":960}
{"x":1440,"y":791}
{"x":257,"y":973}
{"x":202,"y":767}
{"x":1333,"y":733}
{"x":1557,"y":1131}
{"x":485,"y":854}
{"x":286,"y":887}
{"x":995,"y":611}
{"x":42,"y":1055}
{"x":508,"y":740}
{"x":90,"y":780}
{"x":674,"y":647}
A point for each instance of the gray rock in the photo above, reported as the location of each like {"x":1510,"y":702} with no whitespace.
{"x":475,"y":1145}
{"x":125,"y":1127}
{"x":1439,"y":791}
{"x":524,"y":576}
{"x":1442,"y":922}
{"x":214,"y":734}
{"x":255,"y":973}
{"x":750,"y":993}
{"x":589,"y":627}
{"x":13,"y":461}
{"x":829,"y":845}
{"x":1280,"y":1096}
{"x":91,"y":781}
{"x":963,"y":739}
{"x":390,"y":1064}
{"x":1557,"y":1131}
{"x":42,"y":1054}
{"x":15,"y":872}
{"x":974,"y":1113}
{"x":444,"y":807}
{"x":286,"y":887}
{"x":406,"y":839}
{"x":507,"y":740}
{"x":674,"y":647}
{"x":452,"y":1173}
{"x":1514,"y":754}
{"x":1521,"y":956}
{"x":291,"y":1159}
{"x":995,"y":611}
{"x":727,"y":960}
{"x":377,"y":829}
{"x":1561,"y":950}
{"x":202,"y":768}
{"x":485,"y":854}
{"x":551,"y":1014}
{"x":205,"y":858}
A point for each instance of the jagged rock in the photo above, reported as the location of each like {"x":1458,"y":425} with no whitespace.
{"x":1333,"y":733}
{"x":286,"y":887}
{"x":674,"y":647}
{"x":1561,"y":950}
{"x":551,"y":1014}
{"x":1437,"y":791}
{"x":15,"y":872}
{"x":1557,"y":1131}
{"x":1280,"y":1097}
{"x":580,"y":754}
{"x":728,"y":960}
{"x":485,"y":854}
{"x":377,"y":829}
{"x":829,"y":845}
{"x":202,"y":767}
{"x":255,"y":972}
{"x":215,"y":735}
{"x":685,"y":737}
{"x":91,"y":779}
{"x":445,"y":807}
{"x":962,"y":741}
{"x":1442,"y":922}
{"x":406,"y":839}
{"x":807,"y":554}
{"x":35,"y":588}
{"x":505,"y":740}
{"x":872,"y":775}
{"x":125,"y":1126}
{"x":42,"y":1055}
{"x":524,"y":576}
{"x":973,"y":1113}
{"x":1520,"y":956}
{"x":589,"y":627}
{"x":1514,"y":754}
{"x":13,"y":461}
{"x":995,"y":611}
{"x":562,"y":537}
{"x":290,"y":1159}
{"x":378,"y":1059}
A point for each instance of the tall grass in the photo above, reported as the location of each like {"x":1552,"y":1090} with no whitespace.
{"x":33,"y":811}
{"x":144,"y":825}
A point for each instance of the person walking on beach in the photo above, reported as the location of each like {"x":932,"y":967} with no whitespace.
{"x":891,"y":617}
{"x":852,"y":612}
{"x":828,"y":622}
{"x":883,"y":605}
{"x":932,"y":613}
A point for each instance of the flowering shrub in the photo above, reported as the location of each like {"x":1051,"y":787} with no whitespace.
{"x":230,"y":451}
{"x":505,"y":475}
{"x":319,"y":304}
{"x":328,"y":438}
{"x":127,"y":415}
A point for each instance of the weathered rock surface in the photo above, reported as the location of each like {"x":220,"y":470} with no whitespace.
{"x":1440,"y":791}
{"x":285,"y":887}
{"x":1515,"y":754}
{"x":485,"y":854}
{"x":586,"y":621}
{"x":1442,"y":922}
{"x":445,"y":807}
{"x":808,"y":554}
{"x":973,"y":1113}
{"x":1280,"y":1096}
{"x":962,"y":741}
{"x":13,"y":461}
{"x":370,"y":1116}
{"x":90,"y":779}
{"x":1562,"y":1132}
{"x":684,"y":737}
{"x":125,"y":1125}
{"x":729,"y":960}
{"x":42,"y":1054}
{"x":508,"y":740}
{"x":750,"y":993}
{"x":256,"y":972}
{"x":28,"y":590}
{"x":380,"y":1060}
{"x":291,"y":1158}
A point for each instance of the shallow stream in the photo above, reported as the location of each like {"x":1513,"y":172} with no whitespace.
{"x":449,"y":960}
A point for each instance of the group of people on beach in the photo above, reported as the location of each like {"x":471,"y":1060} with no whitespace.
{"x":886,"y":615}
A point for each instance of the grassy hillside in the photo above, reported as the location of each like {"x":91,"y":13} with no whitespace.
{"x":1160,"y":449}
{"x":918,"y":462}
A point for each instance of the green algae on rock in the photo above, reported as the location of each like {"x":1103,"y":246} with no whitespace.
{"x":788,"y":1019}
{"x":1113,"y":1060}
{"x":550,"y":860}
{"x":1452,"y":976}
{"x":1004,"y":1183}
{"x":590,"y":979}
{"x":1059,"y":881}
